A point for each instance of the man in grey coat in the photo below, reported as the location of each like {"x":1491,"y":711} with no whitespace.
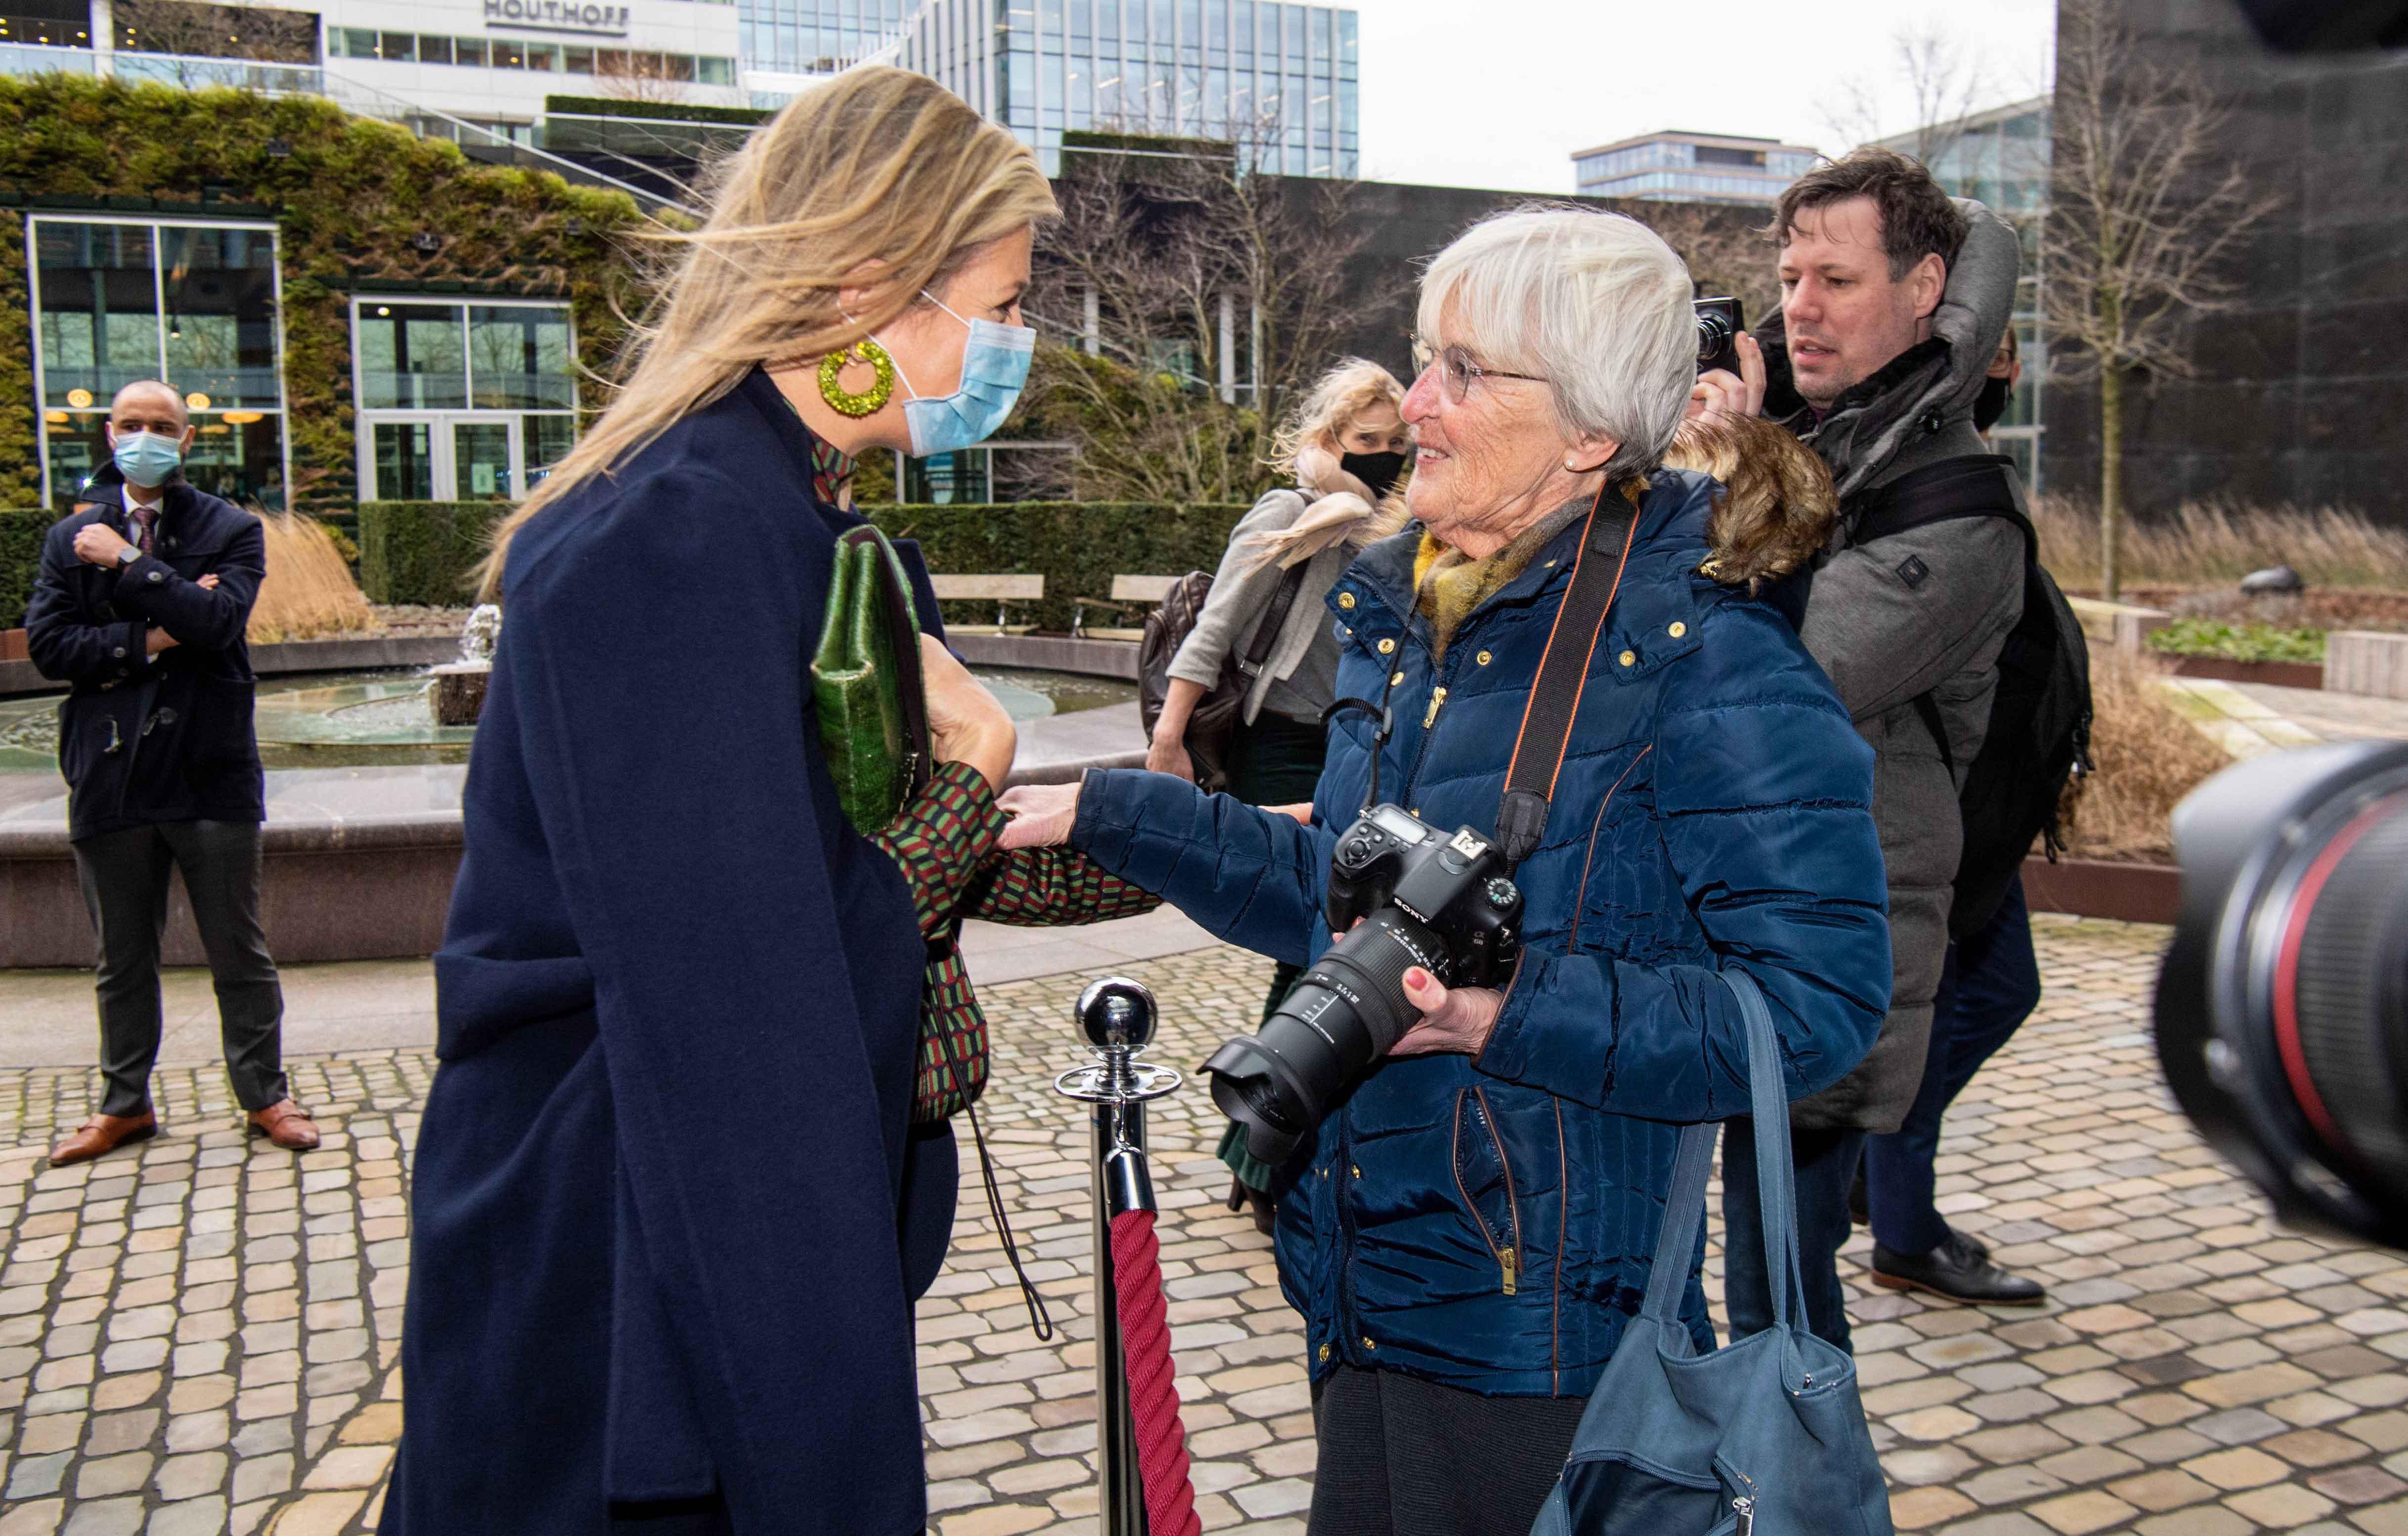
{"x":1893,"y":301}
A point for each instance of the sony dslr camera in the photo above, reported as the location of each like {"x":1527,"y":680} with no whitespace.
{"x":1421,"y":897}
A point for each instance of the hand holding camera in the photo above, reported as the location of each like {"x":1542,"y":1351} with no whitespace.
{"x":1730,"y":365}
{"x":1430,"y":923}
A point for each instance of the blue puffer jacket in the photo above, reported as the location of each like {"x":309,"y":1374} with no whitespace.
{"x":1488,"y":1222}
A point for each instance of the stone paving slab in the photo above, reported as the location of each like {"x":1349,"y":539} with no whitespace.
{"x":197,"y":1335}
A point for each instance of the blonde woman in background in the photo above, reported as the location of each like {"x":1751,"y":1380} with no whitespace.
{"x":1343,"y":448}
{"x":670,"y":1214}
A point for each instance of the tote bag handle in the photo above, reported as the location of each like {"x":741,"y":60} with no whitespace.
{"x":1684,"y":1206}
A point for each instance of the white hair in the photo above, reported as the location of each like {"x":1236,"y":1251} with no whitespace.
{"x":1595,"y":303}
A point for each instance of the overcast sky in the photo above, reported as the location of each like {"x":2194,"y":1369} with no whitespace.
{"x":1499,"y":93}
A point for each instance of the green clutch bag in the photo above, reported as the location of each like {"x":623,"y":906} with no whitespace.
{"x":874,"y":715}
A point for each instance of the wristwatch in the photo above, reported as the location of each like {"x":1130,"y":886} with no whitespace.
{"x":127,"y":555}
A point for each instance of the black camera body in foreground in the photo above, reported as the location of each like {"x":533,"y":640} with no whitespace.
{"x":2283,"y":1005}
{"x":1421,"y":897}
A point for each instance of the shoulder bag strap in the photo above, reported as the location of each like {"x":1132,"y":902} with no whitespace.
{"x":1684,"y":1206}
{"x":1258,"y":650}
{"x":1562,"y":671}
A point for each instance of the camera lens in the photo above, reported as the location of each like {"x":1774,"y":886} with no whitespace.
{"x":1713,"y":334}
{"x":1344,"y":1014}
{"x":2282,"y":1007}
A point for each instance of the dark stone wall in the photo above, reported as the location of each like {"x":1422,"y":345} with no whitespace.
{"x":2302,"y":392}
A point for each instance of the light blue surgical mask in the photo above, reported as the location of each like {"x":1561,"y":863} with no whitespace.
{"x":147,"y":458}
{"x":995,"y":366}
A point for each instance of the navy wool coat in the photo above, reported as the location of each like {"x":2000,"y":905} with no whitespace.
{"x":1489,"y":1222}
{"x":669,"y":1216}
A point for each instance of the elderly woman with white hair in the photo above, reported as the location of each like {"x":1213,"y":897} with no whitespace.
{"x":1470,"y":1228}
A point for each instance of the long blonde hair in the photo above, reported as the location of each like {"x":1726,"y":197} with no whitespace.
{"x":880,"y":179}
{"x":1351,"y":386}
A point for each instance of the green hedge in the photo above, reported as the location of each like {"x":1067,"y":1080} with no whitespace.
{"x":21,"y":556}
{"x":1078,"y":546}
{"x":656,"y":111}
{"x":422,"y":552}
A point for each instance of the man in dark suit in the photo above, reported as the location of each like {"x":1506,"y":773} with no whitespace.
{"x":140,"y":605}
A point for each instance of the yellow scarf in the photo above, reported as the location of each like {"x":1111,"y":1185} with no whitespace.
{"x":1447,"y":587}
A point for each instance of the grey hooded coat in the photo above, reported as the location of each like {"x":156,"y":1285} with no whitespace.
{"x":1894,"y":618}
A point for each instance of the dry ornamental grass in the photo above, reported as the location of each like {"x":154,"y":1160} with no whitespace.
{"x":2148,"y":756}
{"x":307,"y":591}
{"x":2220,"y":542}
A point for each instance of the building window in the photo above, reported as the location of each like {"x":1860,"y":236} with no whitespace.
{"x":190,"y":303}
{"x":461,"y":401}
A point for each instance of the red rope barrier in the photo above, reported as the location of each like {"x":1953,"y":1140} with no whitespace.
{"x":1153,"y":1398}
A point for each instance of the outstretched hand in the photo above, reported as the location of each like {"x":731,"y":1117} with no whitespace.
{"x":1041,"y":815}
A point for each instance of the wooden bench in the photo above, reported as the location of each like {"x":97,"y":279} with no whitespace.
{"x":1002,"y":590}
{"x":1132,"y":596}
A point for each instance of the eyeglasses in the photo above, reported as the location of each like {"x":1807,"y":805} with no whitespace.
{"x":1457,"y":374}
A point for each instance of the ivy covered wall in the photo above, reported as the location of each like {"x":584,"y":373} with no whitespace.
{"x":353,"y":198}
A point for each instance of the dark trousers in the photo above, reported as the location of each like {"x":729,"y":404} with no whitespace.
{"x":124,"y":878}
{"x":1989,"y":986}
{"x":1397,"y":1456}
{"x":1276,"y":760}
{"x":1826,"y":1165}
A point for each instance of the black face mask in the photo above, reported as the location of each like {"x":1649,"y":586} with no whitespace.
{"x":1991,"y":404}
{"x":1380,"y":471}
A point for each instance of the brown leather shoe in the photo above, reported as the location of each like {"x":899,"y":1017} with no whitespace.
{"x":104,"y":1133}
{"x":283,"y":1124}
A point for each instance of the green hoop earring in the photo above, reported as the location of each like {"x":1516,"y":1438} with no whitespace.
{"x":869,"y":401}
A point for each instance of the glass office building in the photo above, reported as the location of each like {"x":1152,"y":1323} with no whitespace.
{"x":1680,"y":168}
{"x":193,"y":302}
{"x":814,"y":36}
{"x":2000,"y":158}
{"x":1280,"y":78}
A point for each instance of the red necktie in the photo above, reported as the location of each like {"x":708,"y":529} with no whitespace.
{"x":145,"y":519}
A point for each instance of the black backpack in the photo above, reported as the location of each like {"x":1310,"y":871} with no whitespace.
{"x":2040,"y":720}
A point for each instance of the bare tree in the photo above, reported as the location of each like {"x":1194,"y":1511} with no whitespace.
{"x":1203,"y":295}
{"x":627,"y":75}
{"x":191,"y":33}
{"x":2145,"y":210}
{"x":1944,"y":85}
{"x":1726,"y":248}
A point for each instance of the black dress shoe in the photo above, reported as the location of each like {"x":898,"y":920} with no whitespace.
{"x":1959,"y":1269}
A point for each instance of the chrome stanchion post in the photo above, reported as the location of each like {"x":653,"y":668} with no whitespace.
{"x":1117,"y":1017}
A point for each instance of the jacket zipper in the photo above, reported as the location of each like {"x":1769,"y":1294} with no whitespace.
{"x":1509,"y":1254}
{"x":1437,"y":701}
{"x":1510,"y":1259}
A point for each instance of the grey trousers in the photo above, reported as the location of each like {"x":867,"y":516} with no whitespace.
{"x":124,"y":878}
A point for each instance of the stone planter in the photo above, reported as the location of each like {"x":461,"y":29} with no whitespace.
{"x":2280,"y":674}
{"x":2129,"y":893}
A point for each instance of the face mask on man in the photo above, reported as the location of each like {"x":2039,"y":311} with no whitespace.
{"x":995,"y":366}
{"x":1380,"y":471}
{"x":147,"y":458}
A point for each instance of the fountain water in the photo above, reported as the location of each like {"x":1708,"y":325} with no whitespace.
{"x":458,"y":689}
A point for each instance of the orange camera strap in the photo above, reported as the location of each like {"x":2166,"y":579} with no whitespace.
{"x":1563,"y":672}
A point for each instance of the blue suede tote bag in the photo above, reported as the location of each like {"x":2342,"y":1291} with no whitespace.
{"x":1765,"y":1437}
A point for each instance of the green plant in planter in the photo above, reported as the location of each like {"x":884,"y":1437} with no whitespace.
{"x":2213,"y":637}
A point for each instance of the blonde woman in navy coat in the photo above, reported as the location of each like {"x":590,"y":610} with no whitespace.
{"x":670,"y":1211}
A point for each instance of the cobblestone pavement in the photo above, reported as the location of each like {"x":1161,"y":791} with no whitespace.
{"x":199,"y":1334}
